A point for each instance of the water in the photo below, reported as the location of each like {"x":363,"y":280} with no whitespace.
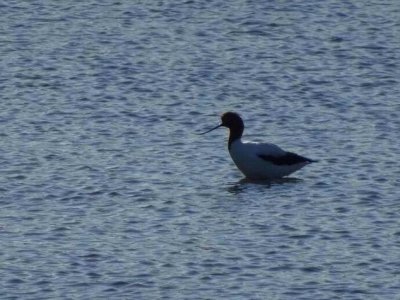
{"x":107,"y":193}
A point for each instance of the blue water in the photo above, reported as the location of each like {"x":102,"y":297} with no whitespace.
{"x":107,"y":193}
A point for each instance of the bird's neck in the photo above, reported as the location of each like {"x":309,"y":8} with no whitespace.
{"x":235,"y":134}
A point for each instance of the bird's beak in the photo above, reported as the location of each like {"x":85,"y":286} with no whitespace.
{"x":211,"y":129}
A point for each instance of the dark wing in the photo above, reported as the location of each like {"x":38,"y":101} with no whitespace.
{"x":289,"y":158}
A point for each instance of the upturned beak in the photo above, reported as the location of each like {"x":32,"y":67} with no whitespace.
{"x":211,"y":129}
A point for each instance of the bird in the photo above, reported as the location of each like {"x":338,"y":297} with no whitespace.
{"x":258,"y":161}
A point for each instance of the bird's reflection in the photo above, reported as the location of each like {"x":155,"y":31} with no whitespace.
{"x":245,"y":183}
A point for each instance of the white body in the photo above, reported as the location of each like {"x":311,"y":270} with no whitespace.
{"x":245,"y":156}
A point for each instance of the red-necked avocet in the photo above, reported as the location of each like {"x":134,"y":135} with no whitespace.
{"x":258,"y":161}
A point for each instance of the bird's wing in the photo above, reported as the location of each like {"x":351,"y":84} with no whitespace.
{"x":288,"y":158}
{"x":267,"y":149}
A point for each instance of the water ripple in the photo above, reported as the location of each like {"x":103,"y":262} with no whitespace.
{"x":106,"y":191}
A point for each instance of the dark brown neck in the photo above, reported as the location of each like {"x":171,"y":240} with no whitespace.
{"x":235,"y":133}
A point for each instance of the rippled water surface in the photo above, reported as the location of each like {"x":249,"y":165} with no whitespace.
{"x":107,"y":193}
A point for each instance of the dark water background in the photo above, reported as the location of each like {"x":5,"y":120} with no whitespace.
{"x":107,"y":193}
